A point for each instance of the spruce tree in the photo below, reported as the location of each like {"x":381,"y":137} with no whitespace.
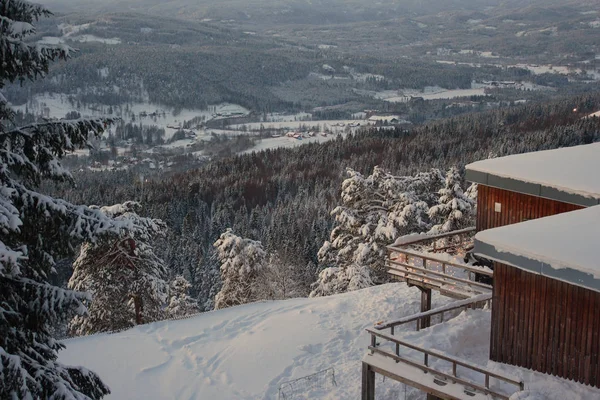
{"x":374,"y":211}
{"x":35,"y":229}
{"x":241,"y":261}
{"x":454,"y":206}
{"x":180,"y":303}
{"x":122,"y":273}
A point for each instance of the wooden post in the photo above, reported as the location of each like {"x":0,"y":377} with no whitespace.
{"x":425,"y":306}
{"x":368,"y":382}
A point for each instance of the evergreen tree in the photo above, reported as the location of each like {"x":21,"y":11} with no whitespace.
{"x":124,"y":276}
{"x":454,"y":207}
{"x":241,"y":261}
{"x":35,"y":229}
{"x":374,"y":212}
{"x":180,"y":303}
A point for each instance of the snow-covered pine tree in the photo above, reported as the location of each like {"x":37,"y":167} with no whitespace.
{"x":180,"y":303}
{"x":35,"y":229}
{"x":374,"y":212}
{"x":241,"y":260}
{"x":454,"y":206}
{"x":124,"y":276}
{"x":471,"y":194}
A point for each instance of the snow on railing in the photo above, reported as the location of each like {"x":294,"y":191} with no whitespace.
{"x":441,"y":378}
{"x":431,"y":270}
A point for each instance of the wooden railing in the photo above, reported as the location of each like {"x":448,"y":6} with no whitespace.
{"x":441,"y":378}
{"x":461,"y":238}
{"x":434,"y":271}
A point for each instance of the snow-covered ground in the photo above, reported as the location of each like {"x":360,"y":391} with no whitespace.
{"x":286,"y":142}
{"x":428,"y":93}
{"x":72,"y":32}
{"x":246,"y":352}
{"x":332,"y":125}
{"x":57,"y":105}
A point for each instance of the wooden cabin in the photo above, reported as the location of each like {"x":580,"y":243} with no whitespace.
{"x":538,"y":222}
{"x":546,"y":295}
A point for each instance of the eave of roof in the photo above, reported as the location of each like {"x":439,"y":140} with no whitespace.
{"x":533,"y":189}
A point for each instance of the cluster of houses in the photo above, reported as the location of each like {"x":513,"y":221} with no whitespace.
{"x":301,"y":135}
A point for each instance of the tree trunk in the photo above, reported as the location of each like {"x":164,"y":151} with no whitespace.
{"x":139,"y":309}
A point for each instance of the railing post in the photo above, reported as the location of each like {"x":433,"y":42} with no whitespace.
{"x":426,"y":359}
{"x":425,"y":306}
{"x":487,"y":381}
{"x":368,"y":383}
{"x":373,"y":342}
{"x":454,"y":370}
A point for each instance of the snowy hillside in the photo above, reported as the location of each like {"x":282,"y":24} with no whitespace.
{"x":246,"y":352}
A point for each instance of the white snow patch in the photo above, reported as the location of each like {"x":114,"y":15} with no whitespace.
{"x":246,"y":352}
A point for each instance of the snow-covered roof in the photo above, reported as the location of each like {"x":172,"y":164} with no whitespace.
{"x":563,"y":246}
{"x":568,"y":174}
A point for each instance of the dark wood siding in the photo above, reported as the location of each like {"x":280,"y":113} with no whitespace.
{"x":516,"y":207}
{"x":546,"y":325}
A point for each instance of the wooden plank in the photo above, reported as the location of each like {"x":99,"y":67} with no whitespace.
{"x":436,"y":391}
{"x":531,"y":320}
{"x":368,"y":382}
{"x":594,"y":360}
{"x":543,"y":327}
{"x":588,"y":326}
{"x":561,"y":356}
{"x":515,"y":207}
{"x":552,"y":324}
{"x":441,"y":260}
{"x":449,"y":377}
{"x":521,"y":339}
{"x":440,"y":274}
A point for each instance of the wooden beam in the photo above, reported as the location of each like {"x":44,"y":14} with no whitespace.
{"x":425,"y":322}
{"x":368,"y":382}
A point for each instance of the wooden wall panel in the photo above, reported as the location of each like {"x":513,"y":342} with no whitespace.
{"x":546,"y":325}
{"x":516,"y":207}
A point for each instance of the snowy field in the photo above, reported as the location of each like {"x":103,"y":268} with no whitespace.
{"x":285,"y":142}
{"x":246,"y":352}
{"x":57,"y":105}
{"x":73,"y":33}
{"x":428,"y":93}
{"x":332,"y":125}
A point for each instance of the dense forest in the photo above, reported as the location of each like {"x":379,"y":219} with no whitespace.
{"x":283,"y":198}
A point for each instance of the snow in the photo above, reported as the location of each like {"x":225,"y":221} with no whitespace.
{"x":246,"y":352}
{"x":596,"y":114}
{"x":333,"y":125}
{"x":428,"y":93}
{"x":57,"y":105}
{"x":567,"y":240}
{"x":286,"y":142}
{"x":572,"y":170}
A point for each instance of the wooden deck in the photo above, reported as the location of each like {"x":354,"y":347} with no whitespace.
{"x":431,"y":271}
{"x":386,"y":358}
